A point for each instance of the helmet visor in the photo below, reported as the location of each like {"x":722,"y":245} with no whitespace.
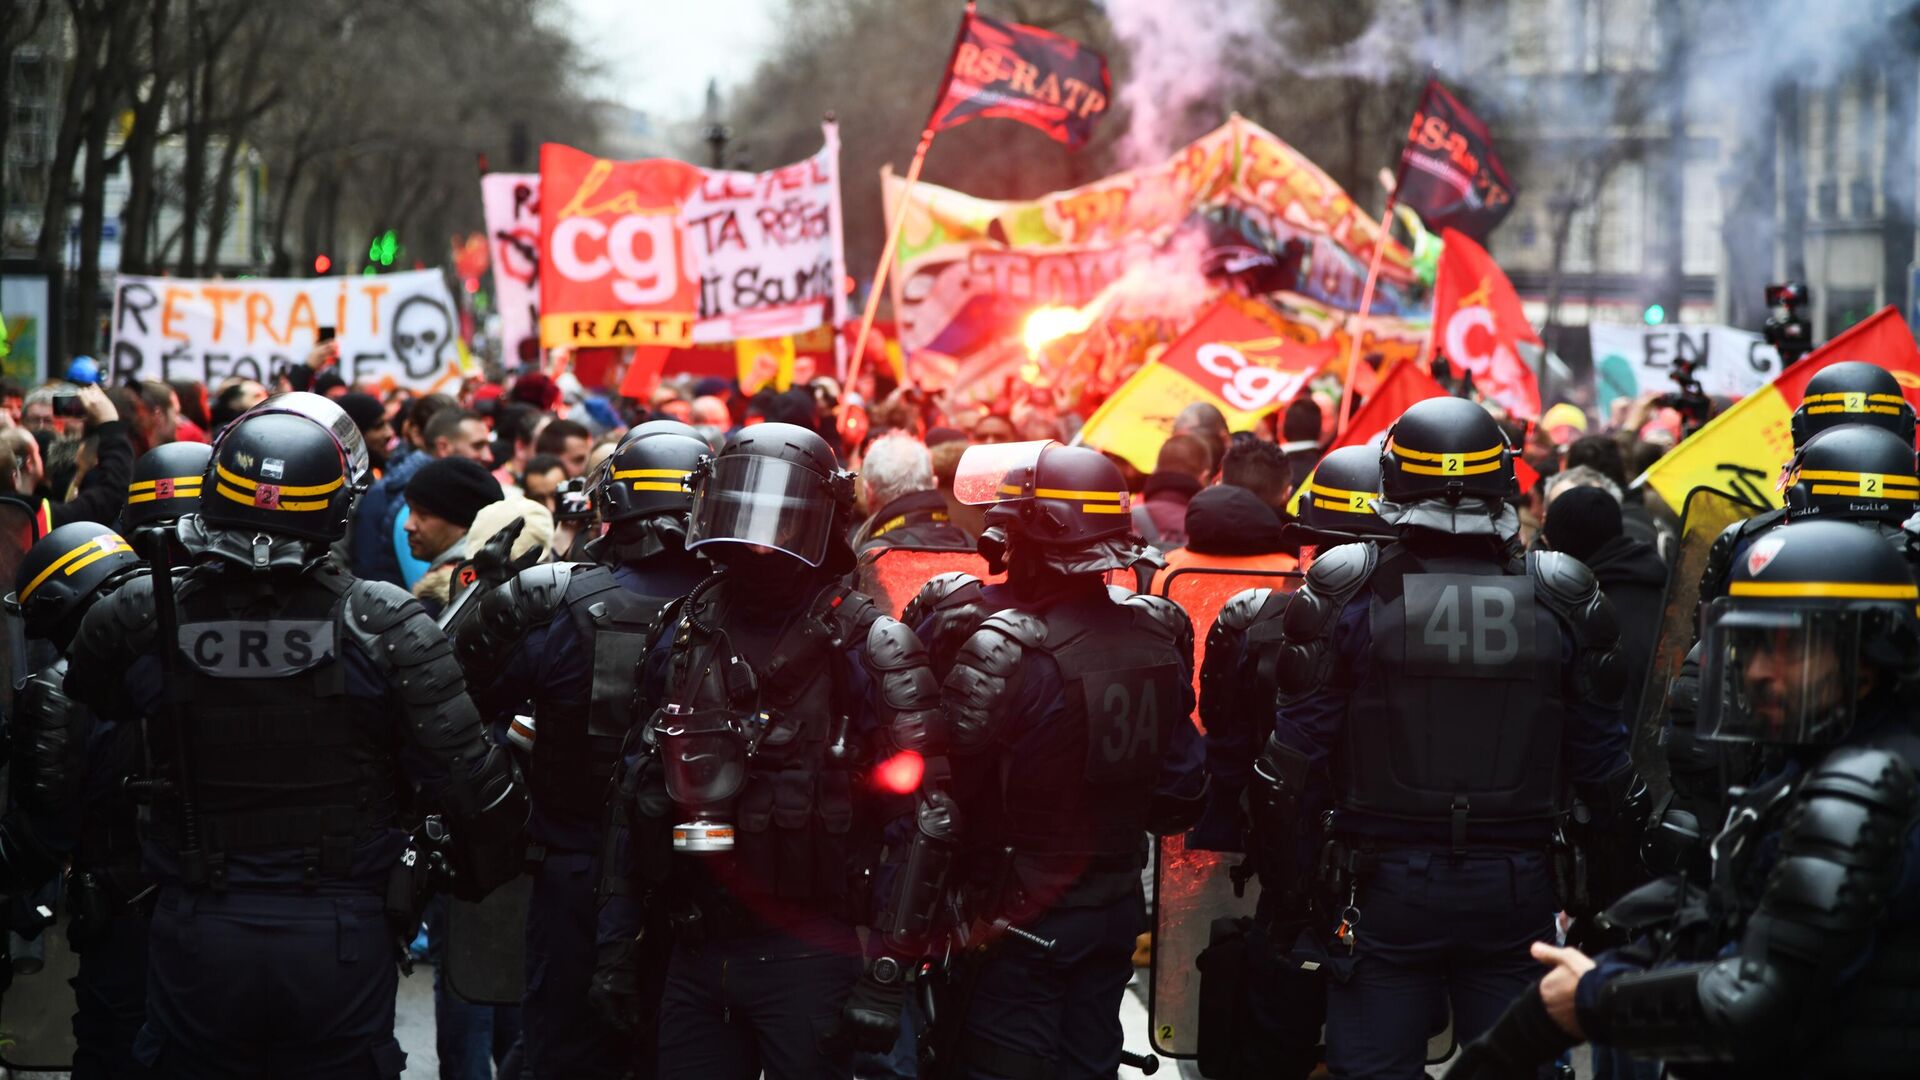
{"x":764,"y":502}
{"x":323,"y":411}
{"x":1780,"y":677}
{"x":995,"y":472}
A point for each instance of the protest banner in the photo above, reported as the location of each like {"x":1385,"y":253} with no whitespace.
{"x":1235,"y":359}
{"x":511,"y":204}
{"x":400,"y":328}
{"x":1742,"y":450}
{"x":1478,"y":325}
{"x":1015,"y":72}
{"x":613,"y":267}
{"x":1630,"y":359}
{"x":970,"y":269}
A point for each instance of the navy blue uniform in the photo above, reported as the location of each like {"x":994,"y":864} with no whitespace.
{"x":1435,"y":915}
{"x":552,"y":669}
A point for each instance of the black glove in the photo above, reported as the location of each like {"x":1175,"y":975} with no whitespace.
{"x":1523,"y":1039}
{"x":614,"y":992}
{"x":493,"y":563}
{"x":871,"y":1019}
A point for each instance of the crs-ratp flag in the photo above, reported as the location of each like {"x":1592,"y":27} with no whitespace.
{"x":1741,"y":451}
{"x":1478,"y":324}
{"x":1448,"y":172}
{"x":1230,"y":359}
{"x":614,"y":269}
{"x":1015,"y":72}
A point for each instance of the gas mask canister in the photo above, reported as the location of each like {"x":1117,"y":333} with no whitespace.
{"x":704,"y":754}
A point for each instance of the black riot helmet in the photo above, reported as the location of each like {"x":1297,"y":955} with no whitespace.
{"x":648,"y":472}
{"x":1817,"y":614}
{"x":63,"y":573}
{"x":1446,"y":448}
{"x":1853,"y":471}
{"x":1852,"y":392}
{"x":1068,"y":504}
{"x":774,"y":486}
{"x":166,"y":485}
{"x":290,"y":466}
{"x":1336,"y":502}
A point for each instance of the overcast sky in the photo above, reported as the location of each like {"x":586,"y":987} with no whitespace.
{"x":657,"y":55}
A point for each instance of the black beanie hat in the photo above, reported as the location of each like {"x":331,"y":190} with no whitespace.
{"x":1581,"y":519}
{"x":365,"y":409}
{"x":454,"y":488}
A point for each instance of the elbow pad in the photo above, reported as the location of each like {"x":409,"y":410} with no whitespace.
{"x":486,"y":632}
{"x":417,"y":660}
{"x":976,"y":689}
{"x":49,"y":736}
{"x":1305,"y":663}
{"x":909,"y":698}
{"x":487,"y":812}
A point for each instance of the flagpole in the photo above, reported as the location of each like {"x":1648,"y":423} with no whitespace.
{"x":894,"y":229}
{"x":1366,"y":305}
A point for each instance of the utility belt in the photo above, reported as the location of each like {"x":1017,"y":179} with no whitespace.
{"x":325,"y":837}
{"x":1347,"y":862}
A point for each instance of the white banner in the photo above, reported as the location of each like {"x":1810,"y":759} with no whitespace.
{"x":511,"y":203}
{"x":1629,"y":360}
{"x":399,"y":327}
{"x":768,"y":247}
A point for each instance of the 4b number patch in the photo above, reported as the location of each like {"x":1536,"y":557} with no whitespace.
{"x":1467,"y":626}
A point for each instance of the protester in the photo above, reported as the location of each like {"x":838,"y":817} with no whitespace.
{"x":1181,"y":471}
{"x":568,"y":441}
{"x":1205,"y":423}
{"x":101,"y":492}
{"x":542,"y":479}
{"x":373,"y":552}
{"x":371,"y":418}
{"x":443,"y":497}
{"x":1585,"y":522}
{"x":1228,"y":527}
{"x":1300,"y":430}
{"x":905,"y":507}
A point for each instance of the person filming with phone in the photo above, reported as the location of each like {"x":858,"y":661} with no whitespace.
{"x":96,"y":493}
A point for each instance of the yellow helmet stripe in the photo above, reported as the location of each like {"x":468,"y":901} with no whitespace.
{"x":1332,"y":498}
{"x":651,"y":474}
{"x":1102,"y":508}
{"x":1841,"y":590}
{"x":246,"y":499}
{"x":178,"y":482}
{"x":1423,"y":455}
{"x":655,"y":485}
{"x":311,"y":489}
{"x":1441,"y":470}
{"x":1086,"y":496}
{"x":74,"y":560}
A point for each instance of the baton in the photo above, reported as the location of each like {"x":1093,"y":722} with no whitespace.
{"x":1146,"y":1063}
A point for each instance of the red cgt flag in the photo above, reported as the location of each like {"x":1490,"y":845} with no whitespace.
{"x":1016,"y":72}
{"x":1398,"y":390}
{"x":1478,"y":325}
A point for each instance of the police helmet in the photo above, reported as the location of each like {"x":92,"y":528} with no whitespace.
{"x":63,"y":571}
{"x":1853,"y":471}
{"x":1809,"y":609}
{"x":290,"y":466}
{"x":1067,"y":505}
{"x":1337,"y":498}
{"x":1852,"y":392}
{"x":166,"y":484}
{"x":648,"y":472}
{"x":776,"y":486}
{"x":1446,"y":448}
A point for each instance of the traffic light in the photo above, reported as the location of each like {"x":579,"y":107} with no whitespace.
{"x":383,"y":249}
{"x":1653,"y":316}
{"x":322,"y":264}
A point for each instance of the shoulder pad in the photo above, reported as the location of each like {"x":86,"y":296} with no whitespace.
{"x":855,"y":616}
{"x":1840,"y":852}
{"x":909,"y":697}
{"x":374,"y":607}
{"x":119,"y":625}
{"x":892,"y":645}
{"x":1336,"y":577}
{"x":937,"y":591}
{"x":1171,"y":616}
{"x":542,"y":588}
{"x":1568,"y":589}
{"x":975,"y":690}
{"x":1878,"y":777}
{"x":1241,"y":609}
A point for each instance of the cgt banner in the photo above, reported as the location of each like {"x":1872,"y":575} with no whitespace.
{"x":663,"y":253}
{"x":400,"y":328}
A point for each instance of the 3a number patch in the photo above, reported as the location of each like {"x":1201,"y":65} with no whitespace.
{"x":1468,"y":626}
{"x":1125,"y":711}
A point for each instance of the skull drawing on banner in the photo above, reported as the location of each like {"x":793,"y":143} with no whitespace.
{"x":422,"y":333}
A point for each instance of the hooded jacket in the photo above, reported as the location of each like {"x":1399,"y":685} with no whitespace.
{"x":1229,"y":527}
{"x":1633,"y":578}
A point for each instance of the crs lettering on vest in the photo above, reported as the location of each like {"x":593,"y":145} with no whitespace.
{"x":251,"y":649}
{"x":1126,"y":711}
{"x":1468,"y":626}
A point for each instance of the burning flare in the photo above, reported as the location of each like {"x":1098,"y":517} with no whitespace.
{"x":1046,"y":325}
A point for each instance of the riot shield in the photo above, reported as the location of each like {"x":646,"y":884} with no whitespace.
{"x":487,"y":945}
{"x":36,"y":1012}
{"x":1708,"y":513}
{"x":1193,"y":888}
{"x":19,"y":528}
{"x":893,"y":576}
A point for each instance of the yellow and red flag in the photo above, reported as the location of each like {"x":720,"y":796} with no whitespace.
{"x":613,"y":269}
{"x":1478,"y":325}
{"x":1230,"y":359}
{"x":1741,"y":451}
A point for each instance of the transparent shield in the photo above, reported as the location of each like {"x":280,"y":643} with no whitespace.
{"x":36,"y":1012}
{"x":1778,"y":677}
{"x":487,"y":945}
{"x":985,"y":471}
{"x":1708,"y":513}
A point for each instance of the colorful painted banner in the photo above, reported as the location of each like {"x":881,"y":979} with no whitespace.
{"x":1742,"y":450}
{"x":1236,"y":358}
{"x":398,"y":328}
{"x":971,"y":269}
{"x":511,"y":203}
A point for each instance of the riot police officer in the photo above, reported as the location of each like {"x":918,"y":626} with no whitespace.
{"x":1070,"y":706}
{"x":1277,"y":1015}
{"x":567,"y":638}
{"x":1798,"y":957}
{"x":789,"y":720}
{"x":289,"y":708}
{"x":68,"y":800}
{"x":1438,"y":698}
{"x":165,"y":486}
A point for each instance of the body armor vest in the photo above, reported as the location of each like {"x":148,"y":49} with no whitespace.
{"x":1459,"y":719}
{"x":1079,"y":791}
{"x":281,"y":755}
{"x":794,"y":815}
{"x":579,"y":741}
